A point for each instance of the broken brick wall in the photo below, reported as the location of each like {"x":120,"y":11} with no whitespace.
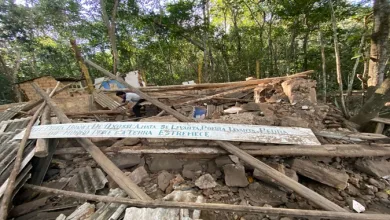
{"x":44,"y":82}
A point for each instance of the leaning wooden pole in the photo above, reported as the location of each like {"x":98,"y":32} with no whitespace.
{"x":18,"y":161}
{"x":83,"y":67}
{"x":108,"y":166}
{"x":211,"y":206}
{"x":285,"y":181}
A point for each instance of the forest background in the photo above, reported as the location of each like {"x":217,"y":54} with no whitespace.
{"x":169,"y":40}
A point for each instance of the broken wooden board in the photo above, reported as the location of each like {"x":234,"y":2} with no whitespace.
{"x":326,"y":175}
{"x":177,"y":130}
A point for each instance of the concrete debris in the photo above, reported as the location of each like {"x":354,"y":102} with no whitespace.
{"x":103,"y":141}
{"x":164,"y":162}
{"x":192,"y":170}
{"x":279,"y":167}
{"x":138,"y":175}
{"x":151,"y":214}
{"x":358,"y":207}
{"x":126,"y":142}
{"x":300,"y":91}
{"x":290,"y":121}
{"x":205,"y":182}
{"x":334,"y":178}
{"x":223,"y":160}
{"x":376,"y":168}
{"x":124,"y":161}
{"x":261,"y":194}
{"x":163,"y":180}
{"x":235,"y":175}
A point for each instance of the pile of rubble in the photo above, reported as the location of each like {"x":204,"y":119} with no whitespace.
{"x":188,"y":172}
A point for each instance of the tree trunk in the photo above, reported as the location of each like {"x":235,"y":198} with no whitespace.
{"x":353,"y":73}
{"x":338,"y":64}
{"x":270,"y":49}
{"x":379,"y":42}
{"x":374,"y":104}
{"x":305,"y":42}
{"x":110,"y":24}
{"x":323,"y":64}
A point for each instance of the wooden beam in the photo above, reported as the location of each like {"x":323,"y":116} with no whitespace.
{"x":379,"y":128}
{"x":107,"y":165}
{"x":97,"y":112}
{"x":382,"y":120}
{"x":211,"y":206}
{"x":18,"y":161}
{"x":41,"y":148}
{"x":347,"y":150}
{"x":219,"y":85}
{"x":285,"y":181}
{"x":217,"y":95}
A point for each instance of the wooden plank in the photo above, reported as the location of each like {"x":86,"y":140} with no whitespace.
{"x":347,"y":150}
{"x":41,"y":148}
{"x":326,"y":175}
{"x":107,"y":165}
{"x":218,"y":85}
{"x":178,"y":130}
{"x":301,"y":190}
{"x":381,"y":120}
{"x":212,"y":206}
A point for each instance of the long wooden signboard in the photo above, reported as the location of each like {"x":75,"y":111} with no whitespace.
{"x":178,"y":130}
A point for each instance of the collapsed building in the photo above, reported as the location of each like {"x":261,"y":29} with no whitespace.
{"x":269,"y":150}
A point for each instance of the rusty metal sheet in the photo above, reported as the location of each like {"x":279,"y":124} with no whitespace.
{"x":11,"y":112}
{"x":106,"y":101}
{"x":179,"y":130}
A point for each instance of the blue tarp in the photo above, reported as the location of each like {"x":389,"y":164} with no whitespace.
{"x":106,"y":84}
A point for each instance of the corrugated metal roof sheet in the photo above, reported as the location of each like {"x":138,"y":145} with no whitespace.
{"x":13,"y":125}
{"x":11,"y":112}
{"x":9,"y":148}
{"x":106,"y":101}
{"x":88,"y":180}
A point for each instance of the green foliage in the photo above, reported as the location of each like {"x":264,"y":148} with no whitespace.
{"x":166,"y":39}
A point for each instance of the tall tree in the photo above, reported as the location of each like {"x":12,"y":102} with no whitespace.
{"x":338,"y":63}
{"x":111,"y":24}
{"x":379,"y":42}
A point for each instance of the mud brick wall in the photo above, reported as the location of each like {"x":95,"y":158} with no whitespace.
{"x":79,"y":103}
{"x":45,"y":82}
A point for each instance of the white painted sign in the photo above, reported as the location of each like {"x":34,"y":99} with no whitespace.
{"x":178,"y":130}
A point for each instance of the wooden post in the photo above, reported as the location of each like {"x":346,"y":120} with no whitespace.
{"x":83,"y":67}
{"x":379,"y":128}
{"x":18,"y":161}
{"x":258,"y":69}
{"x":41,"y":148}
{"x":199,"y":72}
{"x":108,"y":166}
{"x":211,"y":206}
{"x":255,"y":163}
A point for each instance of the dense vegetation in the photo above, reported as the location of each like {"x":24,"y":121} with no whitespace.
{"x":169,"y":39}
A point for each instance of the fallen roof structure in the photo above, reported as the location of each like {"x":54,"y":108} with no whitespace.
{"x":190,"y":176}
